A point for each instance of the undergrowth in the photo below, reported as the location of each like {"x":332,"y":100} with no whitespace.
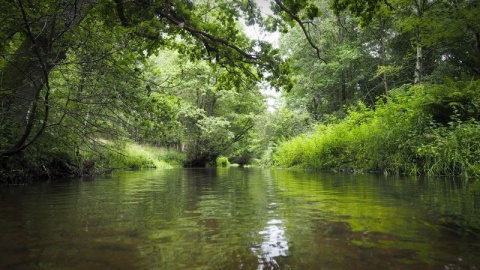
{"x":136,"y":156}
{"x":222,"y":161}
{"x":40,"y":163}
{"x":427,"y":129}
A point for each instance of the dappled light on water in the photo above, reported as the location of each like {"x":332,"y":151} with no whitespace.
{"x":274,"y":244}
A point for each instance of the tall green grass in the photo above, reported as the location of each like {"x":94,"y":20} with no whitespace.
{"x":428,"y":129}
{"x":136,"y":156}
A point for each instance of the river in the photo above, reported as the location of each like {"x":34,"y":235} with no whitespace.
{"x":234,"y":218}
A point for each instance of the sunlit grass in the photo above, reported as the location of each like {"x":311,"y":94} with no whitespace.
{"x":222,"y":161}
{"x":137,"y":156}
{"x":150,"y":157}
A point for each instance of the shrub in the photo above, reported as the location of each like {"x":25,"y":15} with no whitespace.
{"x":222,"y":161}
{"x":406,"y":134}
{"x":173,"y":157}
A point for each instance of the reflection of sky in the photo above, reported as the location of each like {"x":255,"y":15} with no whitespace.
{"x":274,"y":243}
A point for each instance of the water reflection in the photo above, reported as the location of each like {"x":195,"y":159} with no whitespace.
{"x":241,"y":219}
{"x":274,"y":245}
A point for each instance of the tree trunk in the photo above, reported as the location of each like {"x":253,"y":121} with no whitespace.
{"x":342,"y":95}
{"x":420,"y":6}
{"x":382,"y":55}
{"x":477,"y":52}
{"x":24,"y":78}
{"x":419,"y":60}
{"x":26,"y":73}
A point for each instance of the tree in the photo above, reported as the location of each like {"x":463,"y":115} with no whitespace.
{"x":29,"y":55}
{"x":346,"y":75}
{"x":274,"y":127}
{"x":217,"y":110}
{"x":53,"y":32}
{"x":442,"y":34}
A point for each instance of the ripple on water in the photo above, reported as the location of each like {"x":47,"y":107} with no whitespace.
{"x":239,"y":219}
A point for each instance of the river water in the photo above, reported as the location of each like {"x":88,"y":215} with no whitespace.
{"x":233,"y":218}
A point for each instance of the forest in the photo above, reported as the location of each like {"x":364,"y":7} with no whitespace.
{"x":87,"y":87}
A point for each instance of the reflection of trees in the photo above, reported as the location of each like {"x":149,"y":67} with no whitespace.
{"x":226,"y":218}
{"x":271,"y":246}
{"x":71,"y":225}
{"x":371,"y":220}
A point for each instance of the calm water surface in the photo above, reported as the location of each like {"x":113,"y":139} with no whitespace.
{"x":232,"y":218}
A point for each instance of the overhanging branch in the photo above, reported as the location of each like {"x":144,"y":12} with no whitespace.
{"x":206,"y":37}
{"x":302,"y":25}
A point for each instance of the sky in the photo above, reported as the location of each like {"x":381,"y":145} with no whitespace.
{"x":254,"y":32}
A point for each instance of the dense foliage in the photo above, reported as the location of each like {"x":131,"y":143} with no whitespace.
{"x":364,"y":82}
{"x":78,"y":77}
{"x":427,"y":129}
{"x":396,"y":89}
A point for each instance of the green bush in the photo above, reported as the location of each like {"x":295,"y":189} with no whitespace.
{"x":452,"y":150}
{"x":222,"y":161}
{"x":173,"y":157}
{"x":406,"y":134}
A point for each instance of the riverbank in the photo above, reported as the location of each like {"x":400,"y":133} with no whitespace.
{"x":417,"y":130}
{"x":39,"y":165}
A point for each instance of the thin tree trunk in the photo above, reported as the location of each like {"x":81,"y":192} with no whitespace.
{"x":420,"y":8}
{"x":477,"y":52}
{"x":382,"y":55}
{"x":343,"y":75}
{"x":419,"y":60}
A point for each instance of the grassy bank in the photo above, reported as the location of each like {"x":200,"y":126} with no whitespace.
{"x":428,"y":129}
{"x":135,"y":156}
{"x":50,"y":163}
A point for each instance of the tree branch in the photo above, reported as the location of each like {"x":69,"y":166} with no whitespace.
{"x":121,"y":13}
{"x":20,"y":145}
{"x":302,"y":25}
{"x":206,"y":37}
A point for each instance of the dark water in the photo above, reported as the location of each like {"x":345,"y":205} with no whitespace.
{"x":241,"y":219}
